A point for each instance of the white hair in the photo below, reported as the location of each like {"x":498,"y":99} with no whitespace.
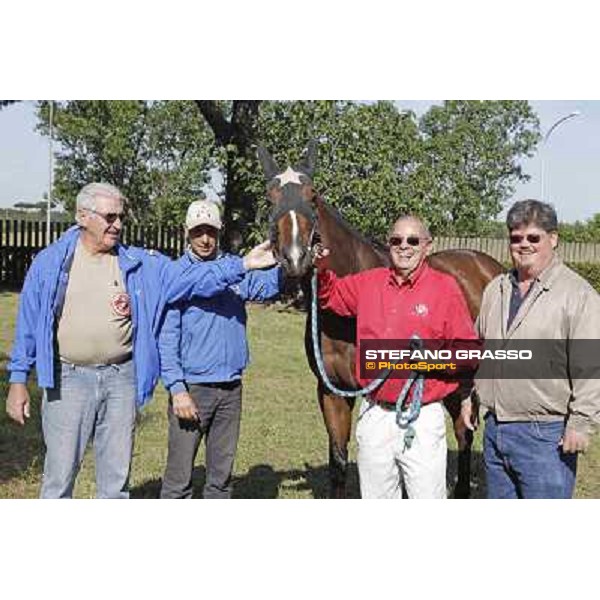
{"x":88,"y":194}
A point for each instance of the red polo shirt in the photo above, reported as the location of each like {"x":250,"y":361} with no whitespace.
{"x":429,"y":304}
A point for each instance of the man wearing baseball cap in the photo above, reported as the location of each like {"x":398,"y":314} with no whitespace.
{"x":204,"y":351}
{"x":203,"y":212}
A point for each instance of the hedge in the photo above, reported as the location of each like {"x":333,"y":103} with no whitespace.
{"x":589,"y":271}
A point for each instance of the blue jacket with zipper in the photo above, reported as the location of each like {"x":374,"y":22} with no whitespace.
{"x":150,"y":285}
{"x":203,"y":340}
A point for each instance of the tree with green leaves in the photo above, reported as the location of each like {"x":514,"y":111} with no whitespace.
{"x":365,"y":155}
{"x":157,"y":153}
{"x":455,"y":167}
{"x":470,"y":159}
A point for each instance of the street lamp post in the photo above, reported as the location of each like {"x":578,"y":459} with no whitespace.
{"x":575,"y":113}
{"x":50,"y":171}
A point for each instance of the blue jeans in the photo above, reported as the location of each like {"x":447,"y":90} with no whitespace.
{"x":89,"y":401}
{"x":524,"y":460}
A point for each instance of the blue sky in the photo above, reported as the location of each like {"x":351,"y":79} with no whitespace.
{"x":571,"y":155}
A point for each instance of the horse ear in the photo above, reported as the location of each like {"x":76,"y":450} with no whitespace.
{"x":307,"y":165}
{"x":269,"y":166}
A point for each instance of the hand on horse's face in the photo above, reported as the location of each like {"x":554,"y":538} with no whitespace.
{"x":260,"y":257}
{"x":320,"y":258}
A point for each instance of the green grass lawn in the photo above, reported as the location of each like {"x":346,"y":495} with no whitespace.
{"x":283,"y":446}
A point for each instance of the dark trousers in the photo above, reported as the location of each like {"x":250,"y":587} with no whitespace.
{"x":220,"y":407}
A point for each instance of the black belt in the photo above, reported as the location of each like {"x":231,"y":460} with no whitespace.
{"x":386,"y":405}
{"x":223,"y":385}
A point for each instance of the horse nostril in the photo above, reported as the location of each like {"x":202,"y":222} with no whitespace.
{"x":305,"y":258}
{"x":287,"y":254}
{"x":284,"y":259}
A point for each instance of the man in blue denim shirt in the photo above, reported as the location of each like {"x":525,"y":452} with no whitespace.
{"x":203,"y":353}
{"x":88,"y":319}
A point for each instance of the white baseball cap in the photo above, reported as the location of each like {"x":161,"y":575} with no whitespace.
{"x":203,"y":212}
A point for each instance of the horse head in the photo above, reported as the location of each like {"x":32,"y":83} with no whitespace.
{"x":293,"y":218}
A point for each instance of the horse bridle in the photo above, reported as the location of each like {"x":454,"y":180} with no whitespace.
{"x":299,"y":205}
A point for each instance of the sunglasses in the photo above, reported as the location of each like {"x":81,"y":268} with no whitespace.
{"x":532,"y":238}
{"x":411,"y":240}
{"x":110,"y":218}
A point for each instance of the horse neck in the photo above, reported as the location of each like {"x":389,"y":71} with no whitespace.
{"x":350,"y":252}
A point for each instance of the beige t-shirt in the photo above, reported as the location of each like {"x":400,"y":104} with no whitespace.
{"x":95,"y":324}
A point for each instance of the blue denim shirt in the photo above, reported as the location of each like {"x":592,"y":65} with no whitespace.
{"x":204,"y":340}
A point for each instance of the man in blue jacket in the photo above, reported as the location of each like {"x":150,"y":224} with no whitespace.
{"x":88,"y":321}
{"x":203,"y":353}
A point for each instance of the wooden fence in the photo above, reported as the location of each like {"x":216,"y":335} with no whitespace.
{"x":20,"y":241}
{"x":572,"y":252}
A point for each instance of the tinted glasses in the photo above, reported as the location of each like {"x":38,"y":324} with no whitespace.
{"x":532,"y":238}
{"x":397,"y":240}
{"x":110,"y":218}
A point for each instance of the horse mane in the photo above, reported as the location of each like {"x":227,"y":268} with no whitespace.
{"x":361,"y":252}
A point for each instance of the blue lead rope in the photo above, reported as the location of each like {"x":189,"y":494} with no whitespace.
{"x":319,"y":356}
{"x":405,"y":416}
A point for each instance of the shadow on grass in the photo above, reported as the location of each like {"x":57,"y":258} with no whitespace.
{"x":264,"y":482}
{"x":21,"y":448}
{"x":10,"y":288}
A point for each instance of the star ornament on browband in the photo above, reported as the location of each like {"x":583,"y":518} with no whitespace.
{"x":289,"y":176}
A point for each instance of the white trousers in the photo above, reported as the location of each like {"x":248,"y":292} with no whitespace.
{"x":386,"y":467}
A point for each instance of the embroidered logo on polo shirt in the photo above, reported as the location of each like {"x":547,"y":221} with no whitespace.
{"x":120,"y":305}
{"x":421,"y":310}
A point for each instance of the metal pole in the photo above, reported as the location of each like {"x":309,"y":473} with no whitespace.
{"x":575,"y":113}
{"x":51,"y":170}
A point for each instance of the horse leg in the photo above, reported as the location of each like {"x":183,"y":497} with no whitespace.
{"x":464,"y":439}
{"x":337,"y":414}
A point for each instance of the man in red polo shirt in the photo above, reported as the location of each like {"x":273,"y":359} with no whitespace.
{"x":398,"y":302}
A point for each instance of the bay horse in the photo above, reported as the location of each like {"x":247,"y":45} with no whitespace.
{"x":299,"y":219}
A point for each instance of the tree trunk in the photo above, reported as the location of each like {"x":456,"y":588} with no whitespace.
{"x":241,"y":134}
